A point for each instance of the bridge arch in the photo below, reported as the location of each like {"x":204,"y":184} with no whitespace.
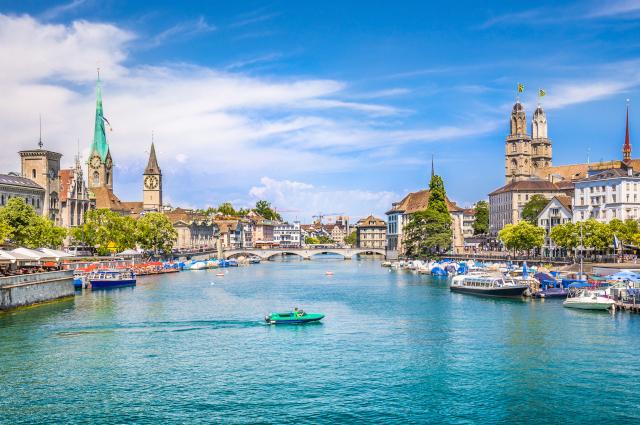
{"x":273,"y":254}
{"x":315,"y":253}
{"x":238,"y":254}
{"x":369,"y":251}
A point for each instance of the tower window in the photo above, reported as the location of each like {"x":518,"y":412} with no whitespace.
{"x":33,"y":173}
{"x":96,"y":178}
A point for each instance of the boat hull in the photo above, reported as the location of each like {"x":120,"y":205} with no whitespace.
{"x":281,"y":320}
{"x":551,"y":294}
{"x":511,"y":291}
{"x":107,"y":284}
{"x":589,"y":305}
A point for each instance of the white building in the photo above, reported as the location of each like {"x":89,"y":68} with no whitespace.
{"x":608,"y":194}
{"x":288,"y":235}
{"x":557,"y":211}
{"x":12,"y":186}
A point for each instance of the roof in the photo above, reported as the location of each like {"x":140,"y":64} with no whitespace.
{"x":565,"y":201}
{"x":580,"y":171}
{"x":8,"y":179}
{"x":226,"y":226}
{"x":99,"y":145}
{"x":186,"y":216}
{"x":610,"y":174}
{"x":365,"y":222}
{"x":469,"y":211}
{"x":418,"y":201}
{"x":152,"y":165}
{"x":528,"y":185}
{"x":105,"y":198}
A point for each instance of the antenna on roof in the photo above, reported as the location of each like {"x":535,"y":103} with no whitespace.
{"x":40,"y":138}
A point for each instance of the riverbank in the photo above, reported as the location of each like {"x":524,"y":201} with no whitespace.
{"x":29,"y":289}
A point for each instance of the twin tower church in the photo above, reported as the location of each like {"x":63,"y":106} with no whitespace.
{"x":100,"y":173}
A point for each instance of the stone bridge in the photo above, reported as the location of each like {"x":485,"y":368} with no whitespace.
{"x":306,"y":254}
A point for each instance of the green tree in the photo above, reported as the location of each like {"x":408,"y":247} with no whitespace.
{"x":42,"y":233}
{"x":533,"y":208}
{"x":227,"y":209}
{"x":311,"y":240}
{"x":19,"y":217}
{"x":430,"y":231}
{"x":264,"y":209}
{"x":351,"y":238}
{"x":323,"y":239}
{"x":5,"y":231}
{"x":595,"y":235}
{"x":565,"y":236}
{"x":103,"y":227}
{"x":156,"y":233}
{"x":523,"y":236}
{"x":481,"y":223}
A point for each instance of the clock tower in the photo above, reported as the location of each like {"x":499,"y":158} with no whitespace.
{"x":100,"y":162}
{"x":152,"y":183}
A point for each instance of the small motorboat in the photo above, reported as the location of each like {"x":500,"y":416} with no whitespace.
{"x":439,"y":271}
{"x":589,"y":300}
{"x":329,"y":273}
{"x":220,"y":274}
{"x":254,"y":260}
{"x":293,"y":317}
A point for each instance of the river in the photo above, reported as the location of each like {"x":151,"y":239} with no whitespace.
{"x":394,"y":347}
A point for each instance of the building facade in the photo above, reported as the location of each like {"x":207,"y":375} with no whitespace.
{"x":557,"y":211}
{"x":507,"y":202}
{"x":607,"y":195}
{"x":43,"y":167}
{"x":468,"y":220}
{"x":371,"y":232}
{"x":400,"y":214}
{"x":195,"y":231}
{"x":15,"y":186}
{"x":152,"y":183}
{"x":524,"y":154}
{"x":74,"y":196}
{"x":288,"y":235}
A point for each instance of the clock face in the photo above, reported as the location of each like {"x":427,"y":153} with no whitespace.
{"x":151,"y":182}
{"x":95,"y":162}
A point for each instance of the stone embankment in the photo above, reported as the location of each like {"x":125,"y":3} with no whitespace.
{"x":16,"y":291}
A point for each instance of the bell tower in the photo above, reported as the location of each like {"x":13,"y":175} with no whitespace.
{"x":541,"y":144}
{"x":100,"y":162}
{"x":518,"y":147}
{"x":152,"y":183}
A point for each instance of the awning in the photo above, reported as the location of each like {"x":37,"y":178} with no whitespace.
{"x":30,"y":254}
{"x":54,"y":253}
{"x":13,"y":257}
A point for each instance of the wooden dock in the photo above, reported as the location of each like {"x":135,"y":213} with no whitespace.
{"x":630,"y":307}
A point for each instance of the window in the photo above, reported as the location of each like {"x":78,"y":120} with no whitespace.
{"x":613,"y":197}
{"x":96,"y":178}
{"x":33,"y":173}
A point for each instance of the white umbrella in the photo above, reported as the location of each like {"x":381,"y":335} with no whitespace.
{"x":12,"y":257}
{"x":31,"y":254}
{"x":54,"y":253}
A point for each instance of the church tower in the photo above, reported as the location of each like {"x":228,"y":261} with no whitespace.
{"x":626,"y":149}
{"x":152,"y":183}
{"x":100,"y":162}
{"x":541,"y":144}
{"x":518,"y":147}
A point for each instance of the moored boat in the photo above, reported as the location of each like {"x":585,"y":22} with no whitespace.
{"x":110,"y":278}
{"x":487,"y":285}
{"x":589,"y":300}
{"x":292,"y":317}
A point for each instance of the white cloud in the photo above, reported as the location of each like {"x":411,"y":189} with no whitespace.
{"x":227,"y":126}
{"x":615,"y":8}
{"x":305,"y":200}
{"x":182,"y":30}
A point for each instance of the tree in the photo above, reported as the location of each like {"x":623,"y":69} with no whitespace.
{"x":5,"y":231}
{"x":430,"y":231}
{"x":324,"y":239}
{"x":533,"y":208}
{"x":19,"y":217}
{"x":481,"y":223}
{"x":565,"y":236}
{"x":156,"y":233}
{"x":595,"y":235}
{"x":104,"y":227}
{"x":311,"y":240}
{"x":264,"y":209}
{"x":42,"y":233}
{"x":351,"y":238}
{"x":227,"y":209}
{"x":523,"y":236}
{"x":27,"y":228}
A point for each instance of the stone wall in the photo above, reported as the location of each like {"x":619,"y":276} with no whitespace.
{"x":16,"y":291}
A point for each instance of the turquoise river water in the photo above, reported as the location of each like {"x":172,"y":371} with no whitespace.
{"x":394,"y":348}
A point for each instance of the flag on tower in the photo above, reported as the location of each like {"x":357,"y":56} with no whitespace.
{"x":542,"y":93}
{"x":520,"y":88}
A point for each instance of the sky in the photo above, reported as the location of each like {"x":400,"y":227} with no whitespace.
{"x":318,"y":107}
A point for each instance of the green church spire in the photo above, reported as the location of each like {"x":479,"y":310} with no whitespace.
{"x":99,"y":145}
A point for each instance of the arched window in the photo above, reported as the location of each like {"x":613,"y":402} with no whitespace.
{"x":108,"y":178}
{"x":38,"y":203}
{"x":96,"y":178}
{"x":33,"y":173}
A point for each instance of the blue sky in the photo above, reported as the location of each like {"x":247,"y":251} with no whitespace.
{"x":331,"y":106}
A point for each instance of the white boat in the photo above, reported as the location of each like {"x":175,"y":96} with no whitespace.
{"x":589,"y":300}
{"x":490,"y":285}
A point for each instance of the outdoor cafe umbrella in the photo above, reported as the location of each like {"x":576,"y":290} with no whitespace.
{"x":54,"y":253}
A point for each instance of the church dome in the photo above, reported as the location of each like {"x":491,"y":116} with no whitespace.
{"x":517,"y":107}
